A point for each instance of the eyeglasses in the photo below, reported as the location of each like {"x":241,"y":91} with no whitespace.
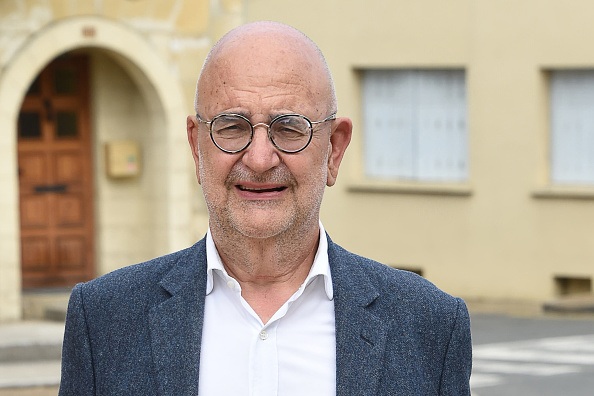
{"x":290,"y":133}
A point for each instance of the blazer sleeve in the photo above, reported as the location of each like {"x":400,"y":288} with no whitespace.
{"x":457,"y":366}
{"x":77,"y":360}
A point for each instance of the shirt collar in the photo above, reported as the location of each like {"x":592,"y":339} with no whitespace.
{"x":320,"y":266}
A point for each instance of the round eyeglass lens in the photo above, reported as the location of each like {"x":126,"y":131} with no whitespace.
{"x":230,"y":132}
{"x":290,"y":132}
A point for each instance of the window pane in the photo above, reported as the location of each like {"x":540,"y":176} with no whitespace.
{"x":66,"y":124}
{"x":388,"y":122}
{"x":65,"y":81}
{"x":415,"y":124}
{"x":29,"y":125}
{"x":572,"y":127}
{"x":442,"y":126}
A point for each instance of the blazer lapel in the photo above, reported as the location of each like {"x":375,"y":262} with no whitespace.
{"x":176,"y":324}
{"x":360,"y":335}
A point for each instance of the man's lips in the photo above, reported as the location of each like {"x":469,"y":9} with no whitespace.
{"x":260,"y":189}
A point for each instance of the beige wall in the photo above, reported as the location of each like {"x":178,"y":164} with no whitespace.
{"x":126,"y":209}
{"x":507,"y":232}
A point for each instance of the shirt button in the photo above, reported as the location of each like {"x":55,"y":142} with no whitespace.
{"x":263,"y":335}
{"x":231,"y":284}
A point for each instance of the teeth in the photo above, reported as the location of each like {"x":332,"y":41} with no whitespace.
{"x":258,"y":190}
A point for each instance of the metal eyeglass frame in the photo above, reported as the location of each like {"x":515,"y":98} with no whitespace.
{"x":252,"y":126}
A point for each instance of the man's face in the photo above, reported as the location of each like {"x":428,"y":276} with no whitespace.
{"x":261,"y":191}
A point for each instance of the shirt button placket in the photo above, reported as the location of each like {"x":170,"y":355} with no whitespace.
{"x":266,"y":361}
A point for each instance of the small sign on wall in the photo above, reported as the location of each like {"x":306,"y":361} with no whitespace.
{"x":122,"y":159}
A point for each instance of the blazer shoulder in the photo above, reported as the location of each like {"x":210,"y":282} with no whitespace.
{"x":393,"y":286}
{"x":143,"y":279}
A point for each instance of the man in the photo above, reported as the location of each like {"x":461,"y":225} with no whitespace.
{"x":266,"y":304}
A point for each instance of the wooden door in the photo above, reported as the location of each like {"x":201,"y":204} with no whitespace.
{"x":55,"y":177}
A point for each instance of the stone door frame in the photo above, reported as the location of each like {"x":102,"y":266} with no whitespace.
{"x":158,"y":85}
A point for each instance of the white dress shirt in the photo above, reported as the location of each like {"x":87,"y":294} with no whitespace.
{"x":294,"y":354}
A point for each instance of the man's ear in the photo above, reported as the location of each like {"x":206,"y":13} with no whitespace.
{"x":192,"y":130}
{"x":339,"y":141}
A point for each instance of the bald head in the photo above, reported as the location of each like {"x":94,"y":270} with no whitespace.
{"x":263,"y":53}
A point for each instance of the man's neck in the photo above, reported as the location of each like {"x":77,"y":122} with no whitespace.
{"x":269,"y":270}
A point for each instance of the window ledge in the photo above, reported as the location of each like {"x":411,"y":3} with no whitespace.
{"x":402,"y":187}
{"x":564,"y":192}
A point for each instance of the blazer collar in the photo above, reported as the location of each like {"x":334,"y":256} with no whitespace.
{"x":176,"y":324}
{"x":360,"y":335}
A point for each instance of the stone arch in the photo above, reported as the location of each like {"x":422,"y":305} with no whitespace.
{"x":159,"y":87}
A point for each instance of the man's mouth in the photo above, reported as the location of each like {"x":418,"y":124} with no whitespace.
{"x":261,"y":190}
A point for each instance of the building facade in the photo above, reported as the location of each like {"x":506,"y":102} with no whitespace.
{"x":472,"y":160}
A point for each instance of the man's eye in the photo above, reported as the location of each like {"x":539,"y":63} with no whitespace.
{"x":231,"y":130}
{"x":290,"y":132}
{"x":230,"y":127}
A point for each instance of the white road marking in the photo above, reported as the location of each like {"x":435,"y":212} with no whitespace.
{"x":493,"y":363}
{"x":484,"y":380}
{"x":524,"y":368}
{"x":529,"y":355}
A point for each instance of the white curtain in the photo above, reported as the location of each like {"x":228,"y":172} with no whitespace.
{"x":572,"y":127}
{"x":415,"y":124}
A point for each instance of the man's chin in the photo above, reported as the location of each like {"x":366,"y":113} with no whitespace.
{"x":259,"y":230}
{"x":253,"y":224}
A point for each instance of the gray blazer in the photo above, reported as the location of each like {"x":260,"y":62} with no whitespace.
{"x":137,"y":331}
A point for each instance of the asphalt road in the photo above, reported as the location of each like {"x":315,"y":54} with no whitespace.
{"x":543,"y":356}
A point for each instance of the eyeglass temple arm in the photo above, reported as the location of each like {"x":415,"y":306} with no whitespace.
{"x":330,"y":117}
{"x":202,"y":121}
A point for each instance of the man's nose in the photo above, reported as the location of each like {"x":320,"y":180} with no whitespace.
{"x":261,"y":155}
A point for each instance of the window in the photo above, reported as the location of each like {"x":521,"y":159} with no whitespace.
{"x":415,"y":125}
{"x":572,"y":127}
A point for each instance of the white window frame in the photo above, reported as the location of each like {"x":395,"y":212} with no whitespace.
{"x":415,"y":126}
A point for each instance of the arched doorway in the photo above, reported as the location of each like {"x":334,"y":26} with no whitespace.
{"x":163,"y":110}
{"x":55,"y":177}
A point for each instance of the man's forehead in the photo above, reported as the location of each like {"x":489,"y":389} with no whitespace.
{"x":262,"y":59}
{"x":276,"y":74}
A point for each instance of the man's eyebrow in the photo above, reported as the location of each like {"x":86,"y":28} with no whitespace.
{"x":242,"y":113}
{"x":245,"y":114}
{"x":274,"y":115}
{"x":248,"y":115}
